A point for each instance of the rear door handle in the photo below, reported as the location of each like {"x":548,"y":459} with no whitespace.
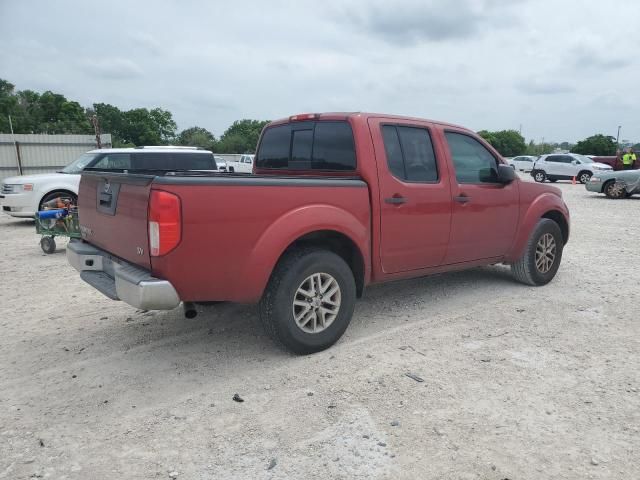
{"x":395,"y":200}
{"x":462,"y":199}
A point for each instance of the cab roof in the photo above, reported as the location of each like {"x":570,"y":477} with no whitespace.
{"x":364,"y":115}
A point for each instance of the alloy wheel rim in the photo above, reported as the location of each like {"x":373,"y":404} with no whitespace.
{"x":316,"y":303}
{"x":539,"y":177}
{"x":545,"y":253}
{"x":615,"y":190}
{"x":585,"y":177}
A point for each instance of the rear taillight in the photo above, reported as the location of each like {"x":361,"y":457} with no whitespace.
{"x":165,"y":222}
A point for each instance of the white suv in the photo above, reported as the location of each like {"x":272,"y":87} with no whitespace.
{"x":566,"y":166}
{"x":23,"y":196}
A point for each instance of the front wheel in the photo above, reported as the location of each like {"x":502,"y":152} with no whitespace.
{"x":309,"y":300}
{"x":541,"y":258}
{"x":539,"y":176}
{"x":584,"y":177}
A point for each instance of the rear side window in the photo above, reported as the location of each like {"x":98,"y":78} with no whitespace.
{"x":173,"y":161}
{"x":308,"y":146}
{"x":410,"y":154}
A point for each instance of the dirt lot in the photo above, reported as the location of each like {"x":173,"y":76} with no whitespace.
{"x":519,"y":383}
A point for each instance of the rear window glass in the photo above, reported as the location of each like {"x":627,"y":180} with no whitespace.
{"x":308,"y":145}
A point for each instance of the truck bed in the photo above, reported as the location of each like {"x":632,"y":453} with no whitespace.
{"x":237,"y":225}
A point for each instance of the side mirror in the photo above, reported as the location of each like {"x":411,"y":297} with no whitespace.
{"x":506,"y":174}
{"x":574,"y":162}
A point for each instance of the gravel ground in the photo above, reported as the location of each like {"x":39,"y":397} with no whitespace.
{"x":518,"y":382}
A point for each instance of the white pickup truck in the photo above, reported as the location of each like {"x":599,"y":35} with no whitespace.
{"x":244,"y":165}
{"x":23,"y":196}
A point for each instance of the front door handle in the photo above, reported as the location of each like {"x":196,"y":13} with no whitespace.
{"x":395,"y":200}
{"x":462,"y":198}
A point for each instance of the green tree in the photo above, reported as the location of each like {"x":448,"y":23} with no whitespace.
{"x":508,"y":142}
{"x":197,"y":137}
{"x":241,"y":137}
{"x":599,"y":144}
{"x":138,"y":126}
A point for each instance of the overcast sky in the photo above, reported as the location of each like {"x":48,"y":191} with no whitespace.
{"x":563,"y":70}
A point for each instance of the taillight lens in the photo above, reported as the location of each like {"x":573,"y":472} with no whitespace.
{"x":165,"y":222}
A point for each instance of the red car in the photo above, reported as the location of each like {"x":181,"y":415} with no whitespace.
{"x":338,"y":201}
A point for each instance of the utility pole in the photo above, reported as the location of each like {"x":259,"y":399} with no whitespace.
{"x":96,"y":129}
{"x":618,"y":139}
{"x":15,"y":145}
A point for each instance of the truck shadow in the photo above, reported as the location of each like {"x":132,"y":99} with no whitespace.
{"x":235,"y":331}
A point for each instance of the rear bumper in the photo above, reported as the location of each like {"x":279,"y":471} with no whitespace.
{"x":120,"y":280}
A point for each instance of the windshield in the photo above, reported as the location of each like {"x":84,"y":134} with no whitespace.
{"x":80,"y":163}
{"x":584,"y":159}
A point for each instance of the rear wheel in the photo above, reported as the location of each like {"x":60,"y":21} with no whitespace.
{"x":539,"y":176}
{"x":614,"y":190}
{"x":309,"y":300}
{"x":584,"y":177}
{"x":541,"y":259}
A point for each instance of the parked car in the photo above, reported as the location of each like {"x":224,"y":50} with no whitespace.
{"x":523,"y":163}
{"x":337,"y":202}
{"x":566,"y":166}
{"x":23,"y":196}
{"x":244,"y":165}
{"x":615,"y":184}
{"x":221,"y":163}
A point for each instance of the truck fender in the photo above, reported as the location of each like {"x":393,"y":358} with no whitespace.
{"x":546,"y":205}
{"x":292,"y":226}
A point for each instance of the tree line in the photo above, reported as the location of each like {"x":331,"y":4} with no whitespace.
{"x":53,"y":113}
{"x":49,"y":112}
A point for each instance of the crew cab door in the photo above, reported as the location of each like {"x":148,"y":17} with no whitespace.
{"x":414,"y":196}
{"x":485,"y":212}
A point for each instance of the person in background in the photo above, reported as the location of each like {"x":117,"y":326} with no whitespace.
{"x":628,"y":159}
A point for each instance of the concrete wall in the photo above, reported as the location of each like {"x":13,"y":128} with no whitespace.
{"x":40,"y":153}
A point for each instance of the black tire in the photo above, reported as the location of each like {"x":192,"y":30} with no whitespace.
{"x":277,"y":304}
{"x":232,"y":170}
{"x":52,"y":195}
{"x":539,"y":176}
{"x":525,"y":269}
{"x":610,"y":190}
{"x":584,"y":177}
{"x":48,"y":245}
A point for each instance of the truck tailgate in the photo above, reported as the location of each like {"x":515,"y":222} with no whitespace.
{"x":113,"y":214}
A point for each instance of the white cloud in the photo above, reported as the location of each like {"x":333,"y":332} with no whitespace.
{"x":490,"y":64}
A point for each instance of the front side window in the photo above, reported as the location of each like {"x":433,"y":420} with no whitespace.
{"x":114,"y":161}
{"x":410,"y":155}
{"x":325,"y":146}
{"x":472,"y":161}
{"x":80,"y":163}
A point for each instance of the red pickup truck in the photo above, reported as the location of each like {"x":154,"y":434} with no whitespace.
{"x":337,"y":201}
